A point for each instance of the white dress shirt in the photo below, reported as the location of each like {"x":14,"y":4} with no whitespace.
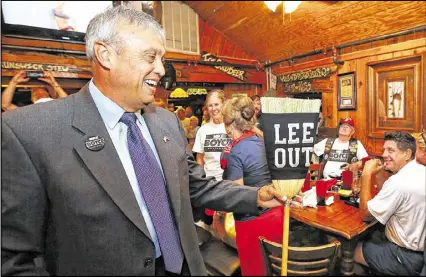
{"x":111,"y":114}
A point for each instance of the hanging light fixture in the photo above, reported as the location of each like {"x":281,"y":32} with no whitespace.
{"x":272,"y":5}
{"x":291,"y":6}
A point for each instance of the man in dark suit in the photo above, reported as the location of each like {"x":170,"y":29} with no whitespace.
{"x":72,"y":192}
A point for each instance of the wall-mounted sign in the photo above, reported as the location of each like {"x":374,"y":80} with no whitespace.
{"x":197,"y":84}
{"x":227,"y":68}
{"x":297,"y":87}
{"x":307,"y":74}
{"x":47,"y":67}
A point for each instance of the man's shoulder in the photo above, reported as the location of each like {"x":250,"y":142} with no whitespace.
{"x":40,"y":114}
{"x":323,"y":141}
{"x":410,"y":172}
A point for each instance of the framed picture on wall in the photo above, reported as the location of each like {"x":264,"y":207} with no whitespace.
{"x":394,"y":96}
{"x":346,"y":92}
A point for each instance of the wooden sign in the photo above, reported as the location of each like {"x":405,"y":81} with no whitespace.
{"x":307,"y":74}
{"x":197,"y":84}
{"x":227,"y":68}
{"x":37,"y":66}
{"x":298,"y":87}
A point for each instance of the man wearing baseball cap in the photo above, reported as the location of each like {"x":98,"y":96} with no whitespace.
{"x":339,"y":152}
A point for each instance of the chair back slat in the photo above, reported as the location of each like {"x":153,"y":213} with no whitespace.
{"x":312,"y":253}
{"x":320,"y":272}
{"x":302,"y":261}
{"x":309,"y":265}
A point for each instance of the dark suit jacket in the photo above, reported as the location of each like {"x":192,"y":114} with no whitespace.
{"x":75,"y":207}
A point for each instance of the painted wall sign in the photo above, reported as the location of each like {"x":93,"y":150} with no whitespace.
{"x":47,"y":67}
{"x":197,"y":84}
{"x":307,"y":74}
{"x":296,"y":87}
{"x":228,"y":69}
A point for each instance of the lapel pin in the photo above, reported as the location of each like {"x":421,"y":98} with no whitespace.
{"x":95,"y":143}
{"x":166,"y":139}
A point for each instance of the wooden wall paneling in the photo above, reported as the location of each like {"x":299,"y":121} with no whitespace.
{"x":228,"y":48}
{"x":43,"y":44}
{"x":249,"y":89}
{"x":238,"y":52}
{"x":217,"y":44}
{"x":206,"y":38}
{"x":328,"y":103}
{"x":361,"y":114}
{"x":201,"y":26}
{"x":18,"y":56}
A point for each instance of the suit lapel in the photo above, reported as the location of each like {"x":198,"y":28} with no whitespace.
{"x":166,"y":146}
{"x":105,"y":164}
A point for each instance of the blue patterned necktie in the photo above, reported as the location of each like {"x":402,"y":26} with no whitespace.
{"x":153,"y":188}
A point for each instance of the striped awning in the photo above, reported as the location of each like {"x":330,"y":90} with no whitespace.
{"x":196,"y":91}
{"x":179,"y":93}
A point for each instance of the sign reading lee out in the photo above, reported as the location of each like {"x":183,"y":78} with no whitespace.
{"x":289,"y":141}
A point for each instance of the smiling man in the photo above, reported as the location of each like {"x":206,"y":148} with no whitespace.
{"x":399,"y":205}
{"x":101,"y":182}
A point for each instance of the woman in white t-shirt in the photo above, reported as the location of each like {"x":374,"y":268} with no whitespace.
{"x":210,"y":141}
{"x":211,"y":138}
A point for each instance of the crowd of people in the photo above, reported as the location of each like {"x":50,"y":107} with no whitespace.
{"x":113,"y":187}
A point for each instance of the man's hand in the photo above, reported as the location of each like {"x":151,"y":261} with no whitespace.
{"x":21,"y":77}
{"x":269,"y":197}
{"x":57,"y":91}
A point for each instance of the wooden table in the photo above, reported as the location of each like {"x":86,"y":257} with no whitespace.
{"x":339,"y":219}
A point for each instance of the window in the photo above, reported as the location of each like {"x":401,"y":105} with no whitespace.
{"x":181,"y":25}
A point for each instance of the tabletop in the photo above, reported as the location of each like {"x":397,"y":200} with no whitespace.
{"x":338,"y":218}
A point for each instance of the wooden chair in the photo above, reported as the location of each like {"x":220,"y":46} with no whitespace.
{"x":219,"y":258}
{"x":302,"y":261}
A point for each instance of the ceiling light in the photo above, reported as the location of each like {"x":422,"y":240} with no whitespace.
{"x":272,"y":5}
{"x":291,"y":6}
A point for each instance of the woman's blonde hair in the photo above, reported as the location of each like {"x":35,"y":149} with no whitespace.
{"x":241,"y":112}
{"x":194,"y":118}
{"x":219,"y":94}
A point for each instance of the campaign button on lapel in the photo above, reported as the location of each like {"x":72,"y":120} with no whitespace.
{"x":95,"y":143}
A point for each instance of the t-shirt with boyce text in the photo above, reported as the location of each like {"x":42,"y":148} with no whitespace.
{"x":337,"y":156}
{"x":211,"y":140}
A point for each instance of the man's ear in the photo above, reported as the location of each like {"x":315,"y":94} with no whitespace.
{"x":408,"y":154}
{"x":104,"y":54}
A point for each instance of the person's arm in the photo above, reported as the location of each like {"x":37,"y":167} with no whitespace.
{"x":50,"y":79}
{"x":372,"y":179}
{"x":239,"y":181}
{"x":24,"y":209}
{"x":198,"y":148}
{"x":200,"y":158}
{"x":7,"y":95}
{"x":207,"y":192}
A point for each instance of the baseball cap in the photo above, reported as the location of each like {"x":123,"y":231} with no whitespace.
{"x":347,"y":120}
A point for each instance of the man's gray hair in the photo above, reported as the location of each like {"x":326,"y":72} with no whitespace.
{"x":104,"y":27}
